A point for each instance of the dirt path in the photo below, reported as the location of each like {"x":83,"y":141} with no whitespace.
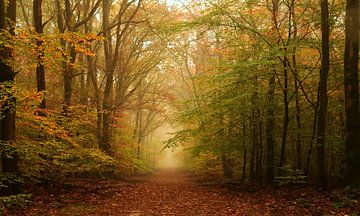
{"x":171,"y":193}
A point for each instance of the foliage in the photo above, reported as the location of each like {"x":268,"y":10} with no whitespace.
{"x":345,"y":198}
{"x":15,"y":201}
{"x":54,"y":161}
{"x":291,"y":177}
{"x":305,"y":202}
{"x":7,"y":179}
{"x":227,"y":55}
{"x":207,"y":164}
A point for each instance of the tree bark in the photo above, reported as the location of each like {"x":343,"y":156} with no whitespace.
{"x":9,"y":157}
{"x":351,"y":82}
{"x":322,"y":96}
{"x":109,"y":71}
{"x":40,"y":69}
{"x":68,"y":75}
{"x":312,"y":140}
{"x":298,"y":159}
{"x":269,"y":130}
{"x":226,"y":165}
{"x":244,"y":152}
{"x":255,"y":167}
{"x":285,"y":120}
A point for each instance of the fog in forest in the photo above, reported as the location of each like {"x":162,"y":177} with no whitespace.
{"x":179,"y":107}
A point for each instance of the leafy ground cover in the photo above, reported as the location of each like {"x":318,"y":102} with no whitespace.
{"x":172,"y":192}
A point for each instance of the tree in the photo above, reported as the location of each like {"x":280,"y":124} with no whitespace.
{"x":270,"y":139}
{"x":9,"y":157}
{"x":322,"y":95}
{"x":68,"y":21}
{"x":351,"y":84}
{"x":114,"y":40}
{"x":40,"y":68}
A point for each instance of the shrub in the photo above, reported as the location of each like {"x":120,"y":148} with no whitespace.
{"x":15,"y":201}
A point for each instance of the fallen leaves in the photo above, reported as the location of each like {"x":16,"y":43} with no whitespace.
{"x":171,"y":193}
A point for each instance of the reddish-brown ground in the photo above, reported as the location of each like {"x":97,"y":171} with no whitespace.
{"x":170,"y":192}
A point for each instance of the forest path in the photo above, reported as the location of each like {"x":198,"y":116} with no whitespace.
{"x":172,"y":192}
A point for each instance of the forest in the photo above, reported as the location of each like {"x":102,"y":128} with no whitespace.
{"x":179,"y":107}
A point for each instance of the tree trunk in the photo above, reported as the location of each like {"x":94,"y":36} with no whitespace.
{"x":298,"y":159}
{"x":83,"y":83}
{"x":351,"y":82}
{"x":92,"y":77}
{"x":139,"y":139}
{"x":309,"y":152}
{"x":322,"y":96}
{"x":259,"y":152}
{"x":285,"y":120}
{"x":9,"y":158}
{"x":253,"y":148}
{"x":106,"y":130}
{"x":245,"y":153}
{"x":109,"y":71}
{"x":40,"y":69}
{"x":270,"y":126}
{"x":226,"y":164}
{"x":68,"y":74}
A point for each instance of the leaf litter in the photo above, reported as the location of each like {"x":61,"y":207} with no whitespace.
{"x":172,"y":192}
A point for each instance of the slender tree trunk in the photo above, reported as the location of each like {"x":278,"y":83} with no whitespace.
{"x":140,"y":133}
{"x":136,"y":127}
{"x":68,"y":74}
{"x":106,"y":130}
{"x":92,"y":77}
{"x":85,"y":76}
{"x":298,"y":159}
{"x":226,"y":165}
{"x":40,"y":69}
{"x":25,"y":13}
{"x":351,"y":82}
{"x":67,"y":70}
{"x":309,"y":152}
{"x":322,"y":95}
{"x":244,"y":152}
{"x":253,"y":147}
{"x":285,"y":120}
{"x":83,"y":83}
{"x":259,"y":152}
{"x":269,"y":130}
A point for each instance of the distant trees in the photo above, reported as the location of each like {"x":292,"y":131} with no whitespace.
{"x":114,"y":40}
{"x":254,"y":105}
{"x":104,"y":62}
{"x":70,"y":18}
{"x":270,"y":53}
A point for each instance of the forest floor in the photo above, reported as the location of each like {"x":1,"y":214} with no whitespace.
{"x":172,"y":192}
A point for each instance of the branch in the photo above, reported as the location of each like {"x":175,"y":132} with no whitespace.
{"x":89,"y":16}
